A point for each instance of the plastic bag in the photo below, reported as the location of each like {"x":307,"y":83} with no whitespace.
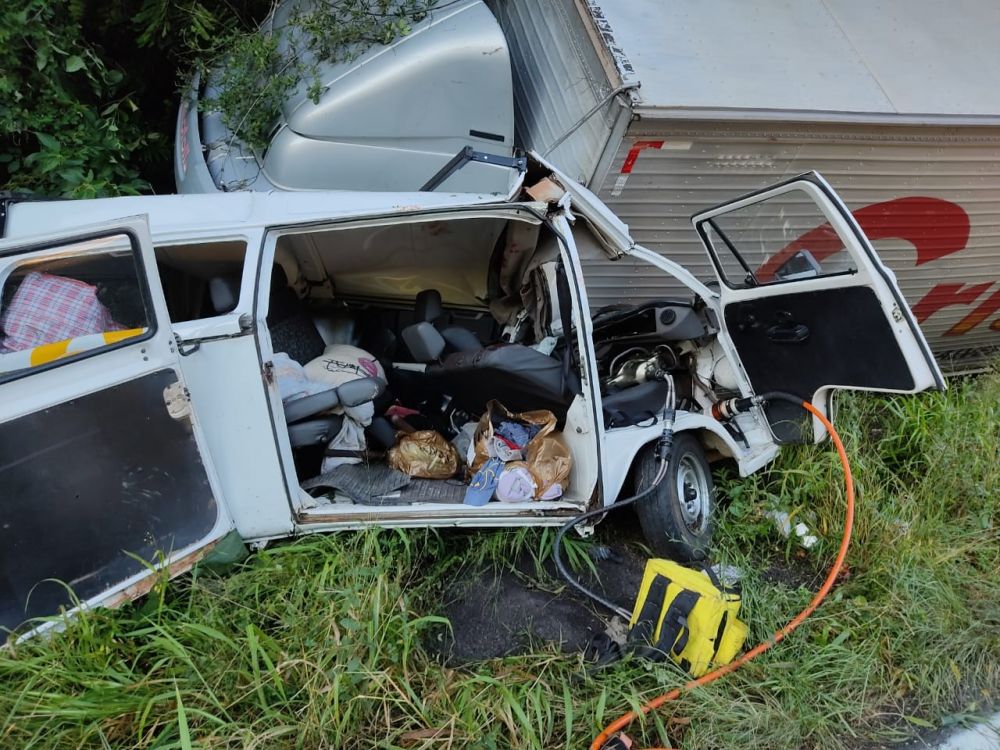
{"x":293,"y":383}
{"x":463,"y":441}
{"x":549,"y":462}
{"x":483,"y":447}
{"x":425,"y":454}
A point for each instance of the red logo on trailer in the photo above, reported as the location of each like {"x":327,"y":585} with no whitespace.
{"x":936,"y":228}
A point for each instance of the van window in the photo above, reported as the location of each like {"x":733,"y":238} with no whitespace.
{"x":785,"y":238}
{"x":187,"y":271}
{"x":71,"y":301}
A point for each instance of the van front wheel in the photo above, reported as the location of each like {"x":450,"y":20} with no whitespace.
{"x":676,"y":518}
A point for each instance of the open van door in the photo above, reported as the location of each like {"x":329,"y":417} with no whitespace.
{"x":807,"y":303}
{"x":102,"y":475}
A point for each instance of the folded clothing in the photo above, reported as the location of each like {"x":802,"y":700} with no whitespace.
{"x":515,"y":484}
{"x":365,"y":484}
{"x":516,"y":434}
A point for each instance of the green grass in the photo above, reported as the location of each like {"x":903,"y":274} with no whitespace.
{"x":317,"y":643}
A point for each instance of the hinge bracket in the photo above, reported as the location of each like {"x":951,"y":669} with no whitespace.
{"x":178,"y":400}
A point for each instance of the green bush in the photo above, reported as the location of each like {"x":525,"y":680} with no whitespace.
{"x":69,"y":124}
{"x":88,"y":89}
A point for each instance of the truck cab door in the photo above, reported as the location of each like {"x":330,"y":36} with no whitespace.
{"x":103,"y":479}
{"x":806,"y":302}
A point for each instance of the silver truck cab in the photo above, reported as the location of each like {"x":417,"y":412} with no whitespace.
{"x":388,"y":119}
{"x":157,"y":429}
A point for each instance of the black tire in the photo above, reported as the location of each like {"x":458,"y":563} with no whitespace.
{"x":677,"y":517}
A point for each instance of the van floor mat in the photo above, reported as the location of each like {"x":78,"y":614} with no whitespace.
{"x":434,"y":491}
{"x":365,"y":484}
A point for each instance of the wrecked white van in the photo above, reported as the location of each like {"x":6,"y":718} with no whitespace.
{"x":141,"y":417}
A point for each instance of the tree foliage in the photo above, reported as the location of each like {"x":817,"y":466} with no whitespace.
{"x":287,"y":53}
{"x":69,"y":122}
{"x":88,"y":89}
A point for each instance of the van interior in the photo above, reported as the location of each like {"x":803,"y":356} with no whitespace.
{"x":450,"y":314}
{"x":386,"y":330}
{"x":186,"y":271}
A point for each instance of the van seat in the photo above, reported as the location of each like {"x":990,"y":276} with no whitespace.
{"x":521,"y":378}
{"x":292,"y":329}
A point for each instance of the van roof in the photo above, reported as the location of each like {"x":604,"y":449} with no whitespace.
{"x":889,"y":60}
{"x":179,"y":215}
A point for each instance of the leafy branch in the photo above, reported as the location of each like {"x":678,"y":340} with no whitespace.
{"x":256,"y":71}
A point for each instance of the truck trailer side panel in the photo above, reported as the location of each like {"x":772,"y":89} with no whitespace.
{"x":929,"y":199}
{"x":566,"y":100}
{"x":666,"y":109}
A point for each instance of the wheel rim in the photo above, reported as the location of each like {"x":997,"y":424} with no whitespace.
{"x":693,"y":492}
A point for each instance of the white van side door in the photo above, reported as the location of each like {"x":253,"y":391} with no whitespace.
{"x":102,"y":477}
{"x":806,"y":301}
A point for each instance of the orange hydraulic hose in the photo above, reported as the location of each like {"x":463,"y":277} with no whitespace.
{"x":618,"y":724}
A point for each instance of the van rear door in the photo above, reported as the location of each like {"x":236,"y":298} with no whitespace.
{"x":103,"y":479}
{"x":807,"y":303}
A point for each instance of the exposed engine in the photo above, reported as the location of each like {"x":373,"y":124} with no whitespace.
{"x":640,"y":365}
{"x":640,"y":346}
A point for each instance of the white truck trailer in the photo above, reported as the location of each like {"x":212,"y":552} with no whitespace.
{"x":664,"y":107}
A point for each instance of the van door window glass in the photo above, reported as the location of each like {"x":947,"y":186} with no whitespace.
{"x":70,"y":301}
{"x":201,"y":280}
{"x":785,"y":238}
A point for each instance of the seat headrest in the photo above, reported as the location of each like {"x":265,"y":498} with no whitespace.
{"x":427,"y":307}
{"x":224,"y":292}
{"x":461,"y":339}
{"x":424,"y":342}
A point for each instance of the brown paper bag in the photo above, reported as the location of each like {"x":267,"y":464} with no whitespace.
{"x":425,"y":454}
{"x":549,"y":462}
{"x":545,"y":420}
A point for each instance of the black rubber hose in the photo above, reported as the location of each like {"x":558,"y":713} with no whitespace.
{"x":663,"y":446}
{"x":783,"y":396}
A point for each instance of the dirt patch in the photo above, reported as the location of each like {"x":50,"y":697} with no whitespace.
{"x":794,"y":573}
{"x":496,"y":615}
{"x":513,"y":611}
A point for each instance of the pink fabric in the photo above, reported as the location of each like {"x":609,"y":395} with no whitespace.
{"x":48,"y":308}
{"x":400,"y":411}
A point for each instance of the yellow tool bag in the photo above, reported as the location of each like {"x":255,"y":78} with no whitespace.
{"x":683,"y":614}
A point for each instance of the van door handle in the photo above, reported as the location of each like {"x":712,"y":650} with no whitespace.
{"x":788,"y":333}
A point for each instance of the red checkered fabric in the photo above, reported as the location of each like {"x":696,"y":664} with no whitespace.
{"x":47,"y":308}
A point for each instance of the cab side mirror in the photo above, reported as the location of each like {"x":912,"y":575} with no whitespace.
{"x":802,"y":265}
